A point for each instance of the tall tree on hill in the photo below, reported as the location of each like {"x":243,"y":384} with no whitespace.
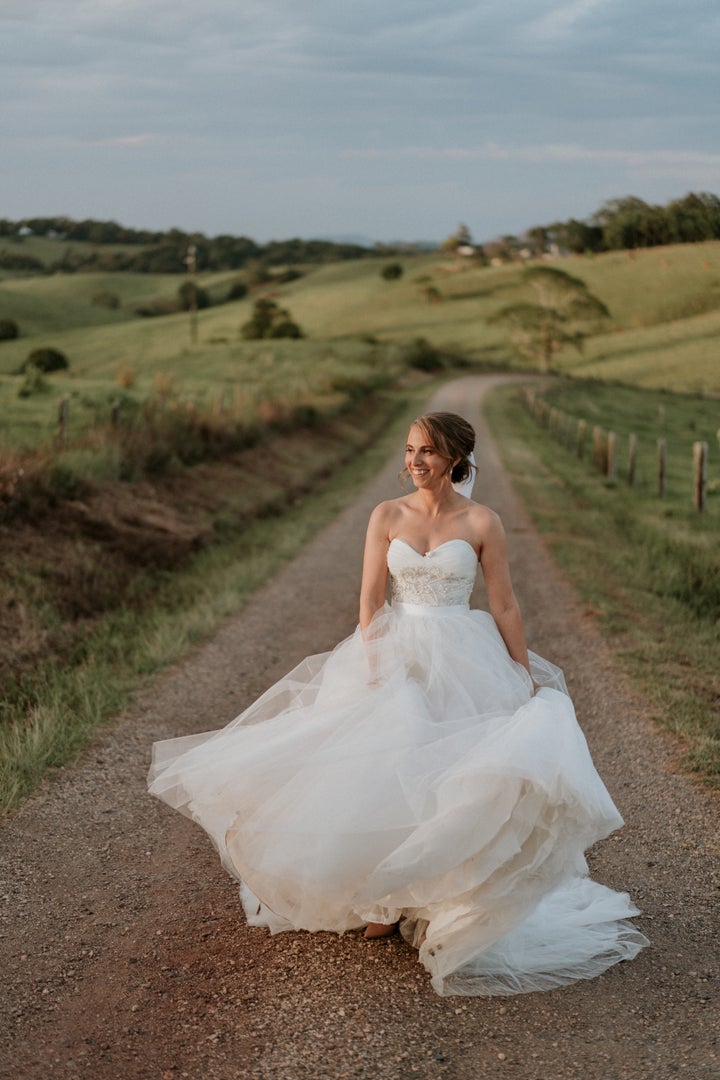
{"x":563,"y":315}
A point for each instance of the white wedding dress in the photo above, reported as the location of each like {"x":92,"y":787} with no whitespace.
{"x":410,"y":774}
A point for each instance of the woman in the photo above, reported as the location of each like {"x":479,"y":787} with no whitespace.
{"x":428,"y":773}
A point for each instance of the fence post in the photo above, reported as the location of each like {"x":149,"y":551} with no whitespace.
{"x":661,"y":466}
{"x":562,"y":427}
{"x":115,"y":413}
{"x":632,"y":460}
{"x":581,"y":433}
{"x":611,"y":460}
{"x":700,"y":456}
{"x":64,"y":420}
{"x":598,"y":454}
{"x":553,"y":422}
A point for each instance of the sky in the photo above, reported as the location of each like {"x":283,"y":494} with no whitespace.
{"x":382,"y":119}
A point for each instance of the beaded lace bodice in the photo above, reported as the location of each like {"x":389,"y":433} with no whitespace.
{"x":443,"y":576}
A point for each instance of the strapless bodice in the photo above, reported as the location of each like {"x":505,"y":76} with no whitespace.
{"x":442,"y":577}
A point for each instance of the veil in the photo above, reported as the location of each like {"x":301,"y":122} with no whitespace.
{"x":465,"y":487}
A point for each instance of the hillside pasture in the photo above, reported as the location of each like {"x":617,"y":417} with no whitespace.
{"x":664,"y":305}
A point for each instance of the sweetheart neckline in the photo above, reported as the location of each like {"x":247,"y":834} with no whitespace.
{"x":431,"y":551}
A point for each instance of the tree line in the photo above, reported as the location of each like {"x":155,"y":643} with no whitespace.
{"x":158,"y":252}
{"x":630,"y":222}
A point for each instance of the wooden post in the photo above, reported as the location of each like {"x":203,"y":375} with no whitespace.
{"x":632,"y":460}
{"x":562,"y":421}
{"x":553,"y":420}
{"x":661,"y":466}
{"x":598,"y":449}
{"x":64,"y":420}
{"x":115,"y":413}
{"x":700,"y":457}
{"x":611,"y":459}
{"x":581,"y":434}
{"x":191,"y":263}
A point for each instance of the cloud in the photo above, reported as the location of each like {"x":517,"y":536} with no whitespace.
{"x":346,"y":99}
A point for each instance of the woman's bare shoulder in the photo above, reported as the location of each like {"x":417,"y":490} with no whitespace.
{"x":387,"y":513}
{"x":484,"y":520}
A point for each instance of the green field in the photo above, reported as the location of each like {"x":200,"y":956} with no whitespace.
{"x":664,"y":304}
{"x":649,"y":568}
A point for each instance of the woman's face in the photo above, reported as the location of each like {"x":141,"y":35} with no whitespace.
{"x":426,"y":466}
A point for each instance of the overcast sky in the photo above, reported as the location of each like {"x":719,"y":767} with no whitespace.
{"x":389,"y":119}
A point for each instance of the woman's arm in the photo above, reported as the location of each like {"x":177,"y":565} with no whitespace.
{"x":504,"y":607}
{"x":375,"y":571}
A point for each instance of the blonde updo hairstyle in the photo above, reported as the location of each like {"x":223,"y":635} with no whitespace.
{"x":453,"y":438}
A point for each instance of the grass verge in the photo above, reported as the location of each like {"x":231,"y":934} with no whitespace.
{"x":649,"y":571}
{"x":67,"y":702}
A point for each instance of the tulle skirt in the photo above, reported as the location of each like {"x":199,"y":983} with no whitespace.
{"x":411,"y":775}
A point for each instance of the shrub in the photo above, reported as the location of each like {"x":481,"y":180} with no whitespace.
{"x":45,"y":360}
{"x":33,"y":383}
{"x":286,"y":276}
{"x":284,"y":327}
{"x":185,"y":296}
{"x":392,"y":271}
{"x":237,"y":291}
{"x":9,"y":330}
{"x":269,"y":321}
{"x":420,"y":354}
{"x":155,"y":308}
{"x":106,"y":299}
{"x":125,"y":377}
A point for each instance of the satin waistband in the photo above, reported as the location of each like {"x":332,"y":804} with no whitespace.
{"x":430,"y":610}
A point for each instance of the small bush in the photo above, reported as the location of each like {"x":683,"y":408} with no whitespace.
{"x":9,"y":330}
{"x":46,"y":360}
{"x":155,"y":308}
{"x":391,"y":271}
{"x":106,"y":299}
{"x":422,"y":356}
{"x":125,"y":377}
{"x":237,"y":291}
{"x":287,"y":276}
{"x":185,"y":296}
{"x":33,"y":383}
{"x":285,"y":328}
{"x":269,"y":321}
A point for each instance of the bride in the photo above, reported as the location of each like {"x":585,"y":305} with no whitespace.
{"x":428,"y":773}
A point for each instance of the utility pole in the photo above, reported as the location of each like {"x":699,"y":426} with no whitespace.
{"x":191,"y":263}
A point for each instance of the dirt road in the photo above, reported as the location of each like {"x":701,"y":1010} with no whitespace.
{"x":124,"y":951}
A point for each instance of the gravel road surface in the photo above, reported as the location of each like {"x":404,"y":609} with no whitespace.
{"x":124,"y":950}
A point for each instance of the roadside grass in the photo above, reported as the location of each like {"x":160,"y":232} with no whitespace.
{"x":228,"y":376}
{"x":649,"y":569}
{"x":66,"y":702}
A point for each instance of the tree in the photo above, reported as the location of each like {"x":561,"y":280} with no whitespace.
{"x":631,"y":223}
{"x":562,"y":315}
{"x":576,"y":236}
{"x":268,"y":320}
{"x":46,"y":359}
